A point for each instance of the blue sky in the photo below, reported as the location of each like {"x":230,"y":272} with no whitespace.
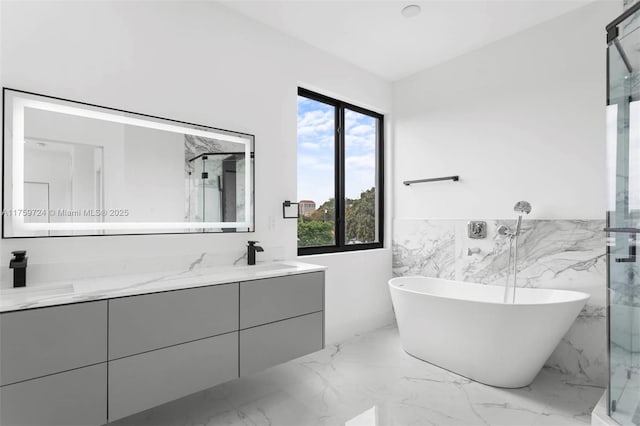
{"x":316,"y":151}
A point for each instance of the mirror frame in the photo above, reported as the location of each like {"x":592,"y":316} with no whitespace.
{"x":13,"y":132}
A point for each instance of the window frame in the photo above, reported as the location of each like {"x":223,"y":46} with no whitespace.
{"x":339,"y":177}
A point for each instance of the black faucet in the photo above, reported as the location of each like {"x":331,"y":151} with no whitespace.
{"x":252,"y":248}
{"x":19,"y":266}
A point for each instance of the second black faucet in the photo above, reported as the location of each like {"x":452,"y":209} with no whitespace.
{"x":19,"y":266}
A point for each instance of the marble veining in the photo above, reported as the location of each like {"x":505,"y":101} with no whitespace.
{"x":559,"y":254}
{"x":193,"y":147}
{"x":422,"y":247}
{"x":194,"y":275}
{"x":196,"y":145}
{"x":550,"y":254}
{"x":372,"y":372}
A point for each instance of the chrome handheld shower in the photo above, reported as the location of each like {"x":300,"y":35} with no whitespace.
{"x":520,"y":207}
{"x":523,"y":207}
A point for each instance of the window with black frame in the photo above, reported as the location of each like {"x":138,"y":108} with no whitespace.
{"x":340,"y":175}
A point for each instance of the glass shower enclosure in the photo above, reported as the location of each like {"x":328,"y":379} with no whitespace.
{"x":216,"y":188}
{"x":623,"y":215}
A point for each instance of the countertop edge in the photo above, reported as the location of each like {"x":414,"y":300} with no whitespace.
{"x":102,"y":288}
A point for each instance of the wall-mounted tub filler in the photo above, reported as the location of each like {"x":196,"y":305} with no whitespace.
{"x":520,"y":207}
{"x":473,"y":250}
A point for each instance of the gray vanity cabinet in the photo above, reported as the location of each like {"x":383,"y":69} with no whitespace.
{"x":75,"y":397}
{"x":272,"y":344}
{"x":44,"y":341}
{"x":274,"y":299}
{"x":143,"y":381}
{"x":92,"y":362}
{"x":162,"y":345}
{"x":53,"y":365}
{"x":280,"y":319}
{"x":143,"y":323}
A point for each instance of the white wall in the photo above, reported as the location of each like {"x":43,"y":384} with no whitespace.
{"x":356,"y":295}
{"x":84,"y":137}
{"x":58,"y":175}
{"x":521,"y":119}
{"x":83,"y":173}
{"x":192,"y":61}
{"x":152,"y":159}
{"x":138,"y":161}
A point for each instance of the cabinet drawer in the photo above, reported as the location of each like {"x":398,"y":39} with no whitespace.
{"x":143,"y":381}
{"x":76,"y":397}
{"x":44,"y":341}
{"x":274,"y":299}
{"x":152,"y":321}
{"x":268,"y":345}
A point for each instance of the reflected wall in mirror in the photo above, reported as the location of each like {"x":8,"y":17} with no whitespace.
{"x":72,"y":168}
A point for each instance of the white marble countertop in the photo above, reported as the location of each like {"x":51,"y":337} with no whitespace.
{"x":74,"y":291}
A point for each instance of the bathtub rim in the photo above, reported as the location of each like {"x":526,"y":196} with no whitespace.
{"x":578,"y":296}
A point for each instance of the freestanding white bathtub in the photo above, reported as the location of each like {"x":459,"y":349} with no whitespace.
{"x":467,"y":329}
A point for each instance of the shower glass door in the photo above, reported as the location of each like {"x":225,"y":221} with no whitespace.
{"x":216,"y":188}
{"x":207,"y":180}
{"x":623,"y":216}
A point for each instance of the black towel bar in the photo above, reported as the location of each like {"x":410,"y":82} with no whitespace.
{"x":453,"y":178}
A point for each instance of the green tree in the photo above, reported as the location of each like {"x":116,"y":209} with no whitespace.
{"x":319,"y":214}
{"x":314,"y":233}
{"x":317,"y":229}
{"x":361,"y":218}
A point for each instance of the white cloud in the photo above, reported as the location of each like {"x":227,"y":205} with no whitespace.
{"x":361,"y":162}
{"x":360,"y":174}
{"x":362,"y":129}
{"x":316,"y":143}
{"x":309,"y":145}
{"x":316,"y":128}
{"x":308,"y":161}
{"x":352,"y":118}
{"x":304,"y":101}
{"x":368,"y":143}
{"x":321,"y":120}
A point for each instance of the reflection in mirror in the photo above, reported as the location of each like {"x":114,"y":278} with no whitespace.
{"x":58,"y":176}
{"x":77,"y":169}
{"x":215,"y":178}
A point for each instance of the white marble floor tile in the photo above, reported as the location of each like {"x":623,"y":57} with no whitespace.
{"x":335,"y":385}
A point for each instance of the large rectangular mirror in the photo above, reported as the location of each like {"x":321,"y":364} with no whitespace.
{"x":72,"y":168}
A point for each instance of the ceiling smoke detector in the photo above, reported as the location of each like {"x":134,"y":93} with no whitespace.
{"x":411,"y":11}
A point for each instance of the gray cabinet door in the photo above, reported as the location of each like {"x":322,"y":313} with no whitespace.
{"x":268,"y":345}
{"x":143,"y":381}
{"x":76,"y":397}
{"x":274,"y":299}
{"x":38,"y":342}
{"x":142,"y":323}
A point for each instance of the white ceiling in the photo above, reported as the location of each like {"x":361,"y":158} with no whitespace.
{"x":375,"y":36}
